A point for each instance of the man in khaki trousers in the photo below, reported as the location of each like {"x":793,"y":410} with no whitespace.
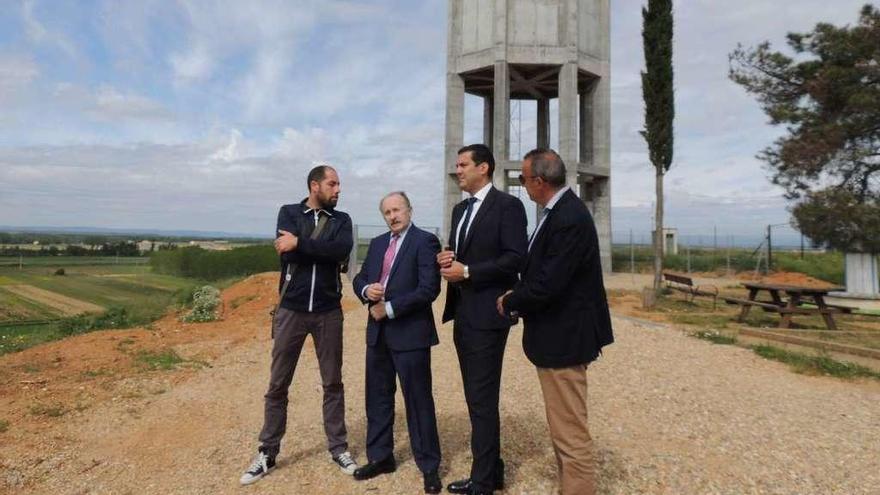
{"x":561,"y":298}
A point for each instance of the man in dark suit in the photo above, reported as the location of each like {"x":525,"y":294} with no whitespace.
{"x":488,"y":245}
{"x":561,"y":298}
{"x":399,"y":280}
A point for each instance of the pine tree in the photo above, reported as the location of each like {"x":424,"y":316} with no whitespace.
{"x":827,"y":95}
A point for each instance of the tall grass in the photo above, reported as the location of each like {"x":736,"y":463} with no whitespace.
{"x":826,"y":266}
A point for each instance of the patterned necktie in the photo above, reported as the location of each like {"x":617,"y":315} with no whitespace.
{"x":389,"y":259}
{"x":462,"y":233}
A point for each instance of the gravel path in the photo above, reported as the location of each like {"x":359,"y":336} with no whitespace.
{"x":669,"y":414}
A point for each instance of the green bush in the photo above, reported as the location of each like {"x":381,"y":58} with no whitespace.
{"x":195,"y":262}
{"x":114,"y":317}
{"x":206,"y":299}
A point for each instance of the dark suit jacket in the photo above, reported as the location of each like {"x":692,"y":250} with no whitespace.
{"x":494,"y":250}
{"x":561,"y":295}
{"x":413,"y":285}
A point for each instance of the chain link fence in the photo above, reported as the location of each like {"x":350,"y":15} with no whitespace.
{"x":770,"y":248}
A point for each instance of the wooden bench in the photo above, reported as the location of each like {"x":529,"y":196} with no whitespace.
{"x":766,"y":305}
{"x":685,"y":284}
{"x":840,"y":308}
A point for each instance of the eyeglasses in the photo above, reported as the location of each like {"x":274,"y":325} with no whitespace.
{"x":525,"y":178}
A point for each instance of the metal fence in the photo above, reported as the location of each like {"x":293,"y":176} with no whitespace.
{"x":632,"y":251}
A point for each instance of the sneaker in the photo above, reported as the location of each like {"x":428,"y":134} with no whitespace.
{"x":345,"y":462}
{"x":261,"y":466}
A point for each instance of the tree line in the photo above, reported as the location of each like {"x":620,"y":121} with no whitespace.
{"x":120,"y":248}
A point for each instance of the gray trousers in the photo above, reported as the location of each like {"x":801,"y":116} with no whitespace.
{"x":291,"y":329}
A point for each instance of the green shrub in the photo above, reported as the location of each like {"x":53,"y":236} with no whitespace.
{"x":195,"y":262}
{"x":115,"y":317}
{"x":206,"y":300}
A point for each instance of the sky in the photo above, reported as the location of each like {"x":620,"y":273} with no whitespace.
{"x":207,"y":115}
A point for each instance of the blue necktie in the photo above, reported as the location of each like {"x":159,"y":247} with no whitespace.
{"x":462,"y":233}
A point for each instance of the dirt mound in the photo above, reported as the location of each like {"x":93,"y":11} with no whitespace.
{"x":82,"y":371}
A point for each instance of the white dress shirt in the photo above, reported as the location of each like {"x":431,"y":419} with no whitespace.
{"x":388,"y":309}
{"x":547,"y":208}
{"x":481,"y":196}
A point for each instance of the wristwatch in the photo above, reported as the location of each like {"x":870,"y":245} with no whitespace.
{"x":467,"y":273}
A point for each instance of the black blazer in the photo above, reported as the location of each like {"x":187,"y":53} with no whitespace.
{"x":494,"y":250}
{"x":561,"y":295}
{"x":413,"y":285}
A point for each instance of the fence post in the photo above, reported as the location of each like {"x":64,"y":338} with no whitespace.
{"x":687,"y":248}
{"x":729,"y":242}
{"x":632,"y":258}
{"x":714,"y":246}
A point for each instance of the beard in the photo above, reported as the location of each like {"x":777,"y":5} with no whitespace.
{"x":328,"y":201}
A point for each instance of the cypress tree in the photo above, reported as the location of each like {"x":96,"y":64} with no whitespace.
{"x":657,"y":91}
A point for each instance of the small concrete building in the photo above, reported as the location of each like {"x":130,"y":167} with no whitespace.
{"x":670,"y":240}
{"x":537,"y":50}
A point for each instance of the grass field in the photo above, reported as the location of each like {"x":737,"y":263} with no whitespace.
{"x":65,"y":261}
{"x":133,"y":289}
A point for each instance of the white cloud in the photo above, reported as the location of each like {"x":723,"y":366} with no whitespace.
{"x":113,"y":105}
{"x":16,"y":71}
{"x":309,"y":144}
{"x":193,"y":66}
{"x":39,"y":34}
{"x":230,"y":151}
{"x":107,"y":103}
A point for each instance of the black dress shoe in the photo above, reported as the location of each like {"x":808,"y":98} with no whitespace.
{"x":466,"y":487}
{"x":461,"y":486}
{"x":432,"y":482}
{"x":373,"y":469}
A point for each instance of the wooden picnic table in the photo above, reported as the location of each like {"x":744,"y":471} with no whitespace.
{"x":793,"y":301}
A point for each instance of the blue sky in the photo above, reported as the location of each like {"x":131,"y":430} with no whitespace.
{"x":207,"y":115}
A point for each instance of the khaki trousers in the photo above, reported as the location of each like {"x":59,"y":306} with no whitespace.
{"x":565,"y":399}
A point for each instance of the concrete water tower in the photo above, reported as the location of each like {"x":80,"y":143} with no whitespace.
{"x":503,"y":50}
